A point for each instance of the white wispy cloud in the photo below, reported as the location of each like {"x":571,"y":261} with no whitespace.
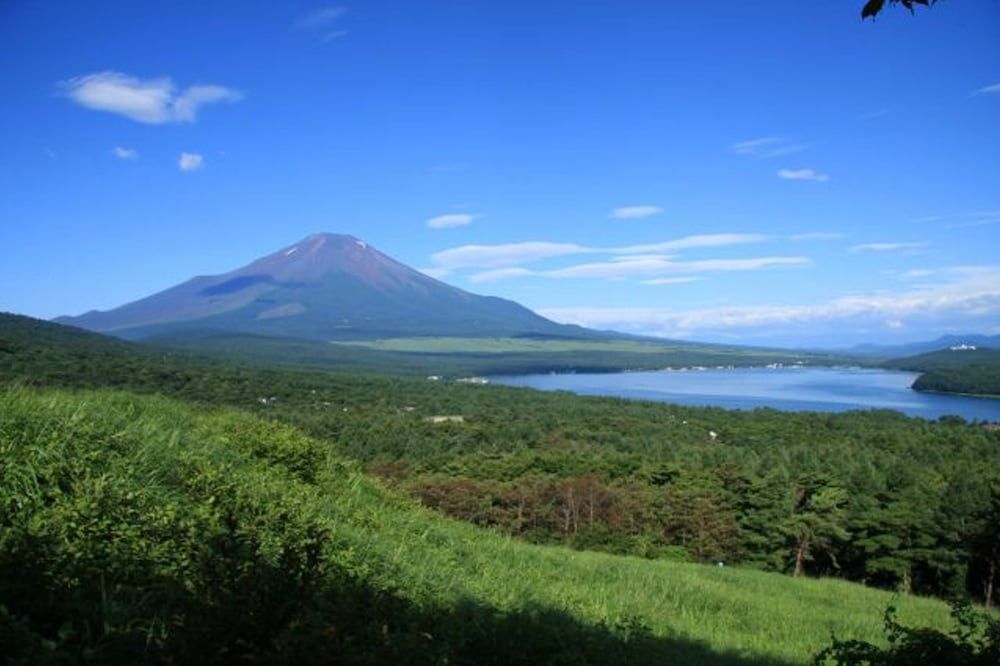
{"x":321,"y":20}
{"x":635,"y":212}
{"x":988,"y":90}
{"x":655,"y":266}
{"x":320,"y":17}
{"x":976,"y":218}
{"x":125,"y":153}
{"x":687,"y":243}
{"x":649,"y":267}
{"x":190,"y":162}
{"x":507,"y":254}
{"x":767,"y":146}
{"x":513,"y":254}
{"x":971,"y":294}
{"x":803,"y":174}
{"x":450,"y":220}
{"x":917,"y":273}
{"x":817,"y":235}
{"x":500,"y":274}
{"x":886,"y":247}
{"x":151,"y":101}
{"x":979,"y":218}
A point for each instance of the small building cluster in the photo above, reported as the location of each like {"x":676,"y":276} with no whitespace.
{"x":445,"y":419}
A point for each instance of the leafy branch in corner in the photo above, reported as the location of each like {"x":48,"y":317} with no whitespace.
{"x":873,"y":7}
{"x":975,"y":641}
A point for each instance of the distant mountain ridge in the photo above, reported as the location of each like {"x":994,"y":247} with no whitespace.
{"x":325,"y":287}
{"x":914,"y":348}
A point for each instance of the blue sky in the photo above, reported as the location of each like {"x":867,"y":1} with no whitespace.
{"x":763,"y":172}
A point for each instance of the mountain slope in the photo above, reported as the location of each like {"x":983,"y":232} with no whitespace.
{"x":915,"y":348}
{"x":327,"y":286}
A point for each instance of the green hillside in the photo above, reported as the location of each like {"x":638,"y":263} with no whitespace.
{"x":169,"y":534}
{"x":972,"y":371}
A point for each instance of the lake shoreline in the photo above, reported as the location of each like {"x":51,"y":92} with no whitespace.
{"x":791,"y":388}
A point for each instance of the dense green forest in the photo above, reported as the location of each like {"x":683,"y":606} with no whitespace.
{"x":975,"y":371}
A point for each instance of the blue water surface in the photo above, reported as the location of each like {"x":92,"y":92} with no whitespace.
{"x":788,"y":389}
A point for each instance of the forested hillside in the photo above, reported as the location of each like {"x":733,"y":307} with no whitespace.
{"x":975,"y":371}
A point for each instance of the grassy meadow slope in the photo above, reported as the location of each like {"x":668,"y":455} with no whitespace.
{"x":166,"y":532}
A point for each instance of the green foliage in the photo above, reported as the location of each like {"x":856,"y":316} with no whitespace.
{"x":974,"y":641}
{"x":872,"y":8}
{"x":817,"y":520}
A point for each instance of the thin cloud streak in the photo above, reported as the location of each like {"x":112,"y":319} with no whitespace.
{"x":689,"y":243}
{"x":500,"y":274}
{"x":320,"y":17}
{"x":635,"y":212}
{"x":817,"y":235}
{"x":885,"y":247}
{"x":451,"y":220}
{"x":654,"y":267}
{"x":803,"y":174}
{"x":321,"y":21}
{"x":767,"y":147}
{"x":508,"y":254}
{"x":650,"y":267}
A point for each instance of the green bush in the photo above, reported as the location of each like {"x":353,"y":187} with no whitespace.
{"x":974,"y":641}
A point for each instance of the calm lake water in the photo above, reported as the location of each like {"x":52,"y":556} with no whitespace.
{"x":789,"y":389}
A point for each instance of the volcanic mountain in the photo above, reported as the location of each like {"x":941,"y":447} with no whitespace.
{"x":326,"y":286}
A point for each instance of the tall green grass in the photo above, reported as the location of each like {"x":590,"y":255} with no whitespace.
{"x":141,"y":529}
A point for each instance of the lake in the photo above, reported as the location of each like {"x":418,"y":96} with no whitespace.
{"x":788,"y":389}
